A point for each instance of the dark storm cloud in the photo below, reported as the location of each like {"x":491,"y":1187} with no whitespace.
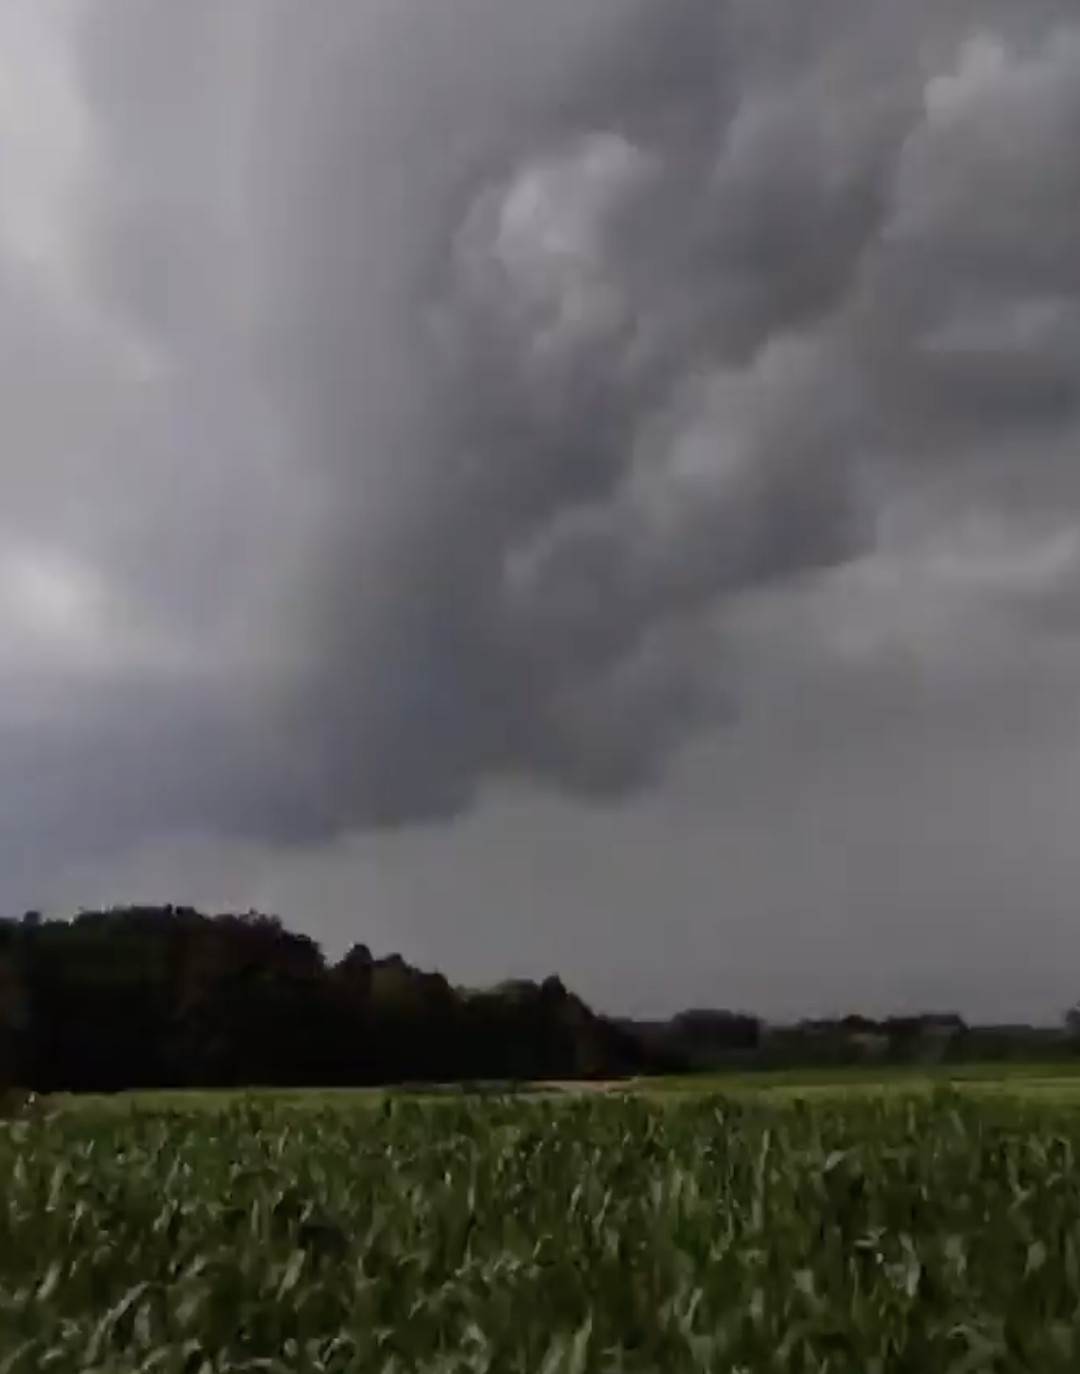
{"x":470,"y":364}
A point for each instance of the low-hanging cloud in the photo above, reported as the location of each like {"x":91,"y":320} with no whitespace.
{"x":414,"y":393}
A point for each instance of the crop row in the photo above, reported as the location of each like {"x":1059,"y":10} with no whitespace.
{"x":544,"y":1236}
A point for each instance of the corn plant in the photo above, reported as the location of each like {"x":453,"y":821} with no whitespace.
{"x":888,"y":1236}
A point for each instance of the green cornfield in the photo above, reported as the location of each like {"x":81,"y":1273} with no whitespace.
{"x":936,"y":1235}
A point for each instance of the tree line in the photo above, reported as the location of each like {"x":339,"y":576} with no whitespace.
{"x":168,"y":997}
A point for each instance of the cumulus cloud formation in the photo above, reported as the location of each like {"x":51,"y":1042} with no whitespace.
{"x":428,"y":393}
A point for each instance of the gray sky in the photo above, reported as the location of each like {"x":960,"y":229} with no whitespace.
{"x":588,"y":485}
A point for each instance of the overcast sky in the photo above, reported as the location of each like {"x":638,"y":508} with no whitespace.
{"x":578,"y":485}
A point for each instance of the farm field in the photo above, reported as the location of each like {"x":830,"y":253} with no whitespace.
{"x":1060,"y":1079}
{"x":854,"y":1231}
{"x":1057,"y":1081}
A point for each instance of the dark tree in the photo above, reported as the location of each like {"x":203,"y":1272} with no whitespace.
{"x":167,"y":997}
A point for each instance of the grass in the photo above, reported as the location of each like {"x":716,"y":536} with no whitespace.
{"x":1059,"y":1080}
{"x":838,"y":1232}
{"x":218,"y":1100}
{"x":200,"y":1101}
